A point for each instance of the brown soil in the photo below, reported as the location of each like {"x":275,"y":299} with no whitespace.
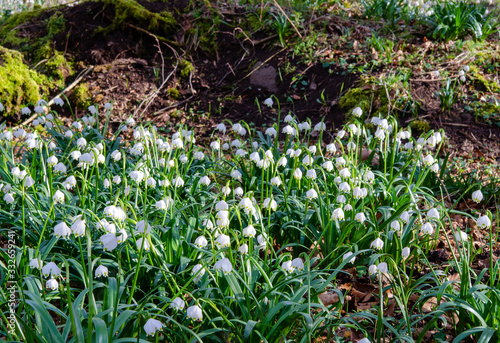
{"x":130,"y":64}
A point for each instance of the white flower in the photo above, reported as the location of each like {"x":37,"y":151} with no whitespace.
{"x":194,"y":312}
{"x":287,"y":266}
{"x":269,"y":102}
{"x":235,"y":174}
{"x":338,"y":214}
{"x":345,"y":173}
{"x":262,"y":240}
{"x":307,"y":160}
{"x":254,"y":157}
{"x":137,"y":175}
{"x":405,"y":253}
{"x":483,"y":222}
{"x":298,"y":264}
{"x":477,"y":196}
{"x":122,"y":236}
{"x":320,"y":126}
{"x":179,"y":303}
{"x":117,"y":179}
{"x":328,"y":166}
{"x":288,"y":130}
{"x":395,"y":225}
{"x":70,"y":182}
{"x":199,"y":155}
{"x":360,"y":217}
{"x":382,"y":267}
{"x":115,"y":212}
{"x":109,"y":241}
{"x":357,"y":112}
{"x":372,"y":269}
{"x":177,"y":143}
{"x":347,"y":256}
{"x":249,"y":231}
{"x":101,"y":271}
{"x":35,"y":264}
{"x":311,"y":194}
{"x":116,"y":155}
{"x":271,"y":131}
{"x":51,"y":269}
{"x":68,"y":133}
{"x":205,"y":180}
{"x":215,"y":145}
{"x":241,"y":152}
{"x":178,"y":182}
{"x":377,"y":244}
{"x":243,"y":249}
{"x":58,"y":197}
{"x":358,"y":193}
{"x":226,"y":190}
{"x":344,"y":187}
{"x":282,"y":161}
{"x":224,"y":265}
{"x":150,"y":182}
{"x":106,"y":183}
{"x":141,"y":225}
{"x":52,"y":161}
{"x":199,"y":271}
{"x":9,"y":199}
{"x":348,"y":207}
{"x":405,"y":216}
{"x":52,"y":284}
{"x":247,"y":206}
{"x":428,"y":160}
{"x":297,"y":174}
{"x":151,"y":326}
{"x":238,"y":191}
{"x":81,"y":142}
{"x":289,"y":118}
{"x":270,"y":204}
{"x":433,"y":213}
{"x":201,"y":242}
{"x":341,"y":134}
{"x":60,"y":168}
{"x":351,"y":146}
{"x":461,"y":236}
{"x":427,"y":228}
{"x":311,"y":174}
{"x":78,"y":227}
{"x":221,"y":127}
{"x":75,"y":154}
{"x":146,"y":246}
{"x":222,"y":241}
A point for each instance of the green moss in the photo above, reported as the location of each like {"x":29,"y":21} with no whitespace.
{"x":8,"y":31}
{"x":366,"y":98}
{"x":174,"y":93}
{"x":481,"y":81}
{"x":55,"y":24}
{"x":81,"y":95}
{"x":187,"y":68}
{"x":59,"y":68}
{"x":131,"y":12}
{"x":420,"y":125}
{"x":18,"y":83}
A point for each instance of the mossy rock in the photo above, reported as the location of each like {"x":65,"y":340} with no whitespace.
{"x":9,"y":29}
{"x":420,"y":126}
{"x":81,"y":96}
{"x":365,"y":98}
{"x":18,"y":83}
